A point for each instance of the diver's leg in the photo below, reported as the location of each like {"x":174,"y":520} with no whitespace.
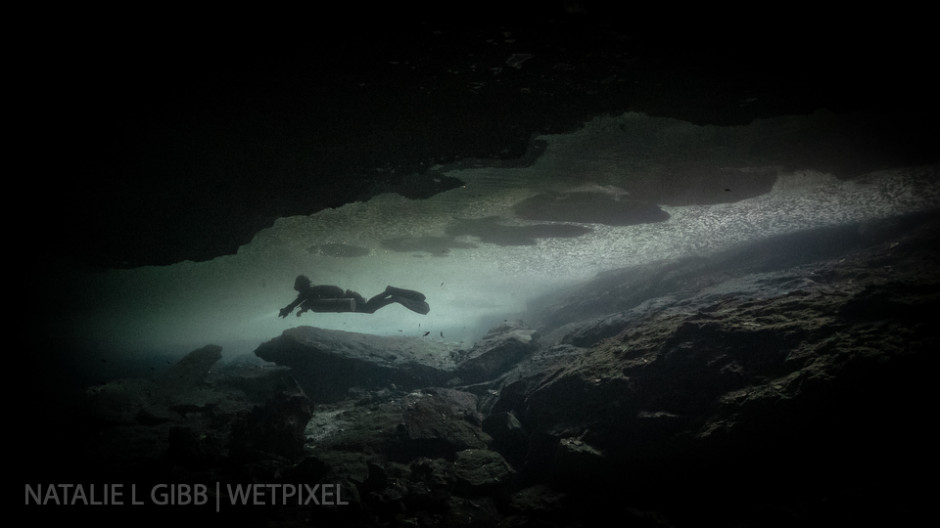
{"x":382,"y":300}
{"x":401,"y":292}
{"x":379,"y":301}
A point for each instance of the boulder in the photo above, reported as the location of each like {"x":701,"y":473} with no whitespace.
{"x":439,"y":422}
{"x":509,"y":435}
{"x":500,"y":349}
{"x":432,"y":422}
{"x":188,"y":373}
{"x":119,"y":401}
{"x":482,"y":472}
{"x":276,"y":425}
{"x":327,"y":363}
{"x":193,"y":418}
{"x":129,"y":400}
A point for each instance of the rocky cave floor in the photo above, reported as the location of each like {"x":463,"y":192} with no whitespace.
{"x":782,"y":383}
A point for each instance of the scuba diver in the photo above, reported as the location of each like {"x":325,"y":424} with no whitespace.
{"x":334,"y":299}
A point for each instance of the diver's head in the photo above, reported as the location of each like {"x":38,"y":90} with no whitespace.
{"x":301,"y":283}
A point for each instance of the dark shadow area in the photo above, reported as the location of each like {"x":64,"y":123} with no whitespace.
{"x":432,"y":245}
{"x":589,"y":208}
{"x":491,"y":231}
{"x":417,"y":186}
{"x":693,"y":184}
{"x":339,"y":250}
{"x":487,"y":231}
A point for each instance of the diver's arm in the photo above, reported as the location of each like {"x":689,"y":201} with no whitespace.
{"x":285,"y":311}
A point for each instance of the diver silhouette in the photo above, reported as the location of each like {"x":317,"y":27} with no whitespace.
{"x":324,"y":298}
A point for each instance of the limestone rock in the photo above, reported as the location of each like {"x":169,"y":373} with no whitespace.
{"x":509,"y":435}
{"x":501,"y":348}
{"x":194,"y":419}
{"x":125,"y":401}
{"x":274,"y":426}
{"x":119,"y":401}
{"x":327,"y":363}
{"x":480,"y":471}
{"x":783,"y":359}
{"x":439,"y":422}
{"x":190,"y":372}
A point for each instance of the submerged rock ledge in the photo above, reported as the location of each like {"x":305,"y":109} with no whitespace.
{"x":329,"y":362}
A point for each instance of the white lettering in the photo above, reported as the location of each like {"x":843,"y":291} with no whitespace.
{"x":184,"y":494}
{"x":33,"y":493}
{"x":312,"y":494}
{"x":239,"y":494}
{"x":74,"y":494}
{"x":134,"y":500}
{"x":179,"y":494}
{"x":285,"y":494}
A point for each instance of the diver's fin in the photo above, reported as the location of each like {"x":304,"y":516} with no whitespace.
{"x":414,"y":305}
{"x":401,"y":292}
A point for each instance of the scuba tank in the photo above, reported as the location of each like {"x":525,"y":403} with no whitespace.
{"x":329,"y":305}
